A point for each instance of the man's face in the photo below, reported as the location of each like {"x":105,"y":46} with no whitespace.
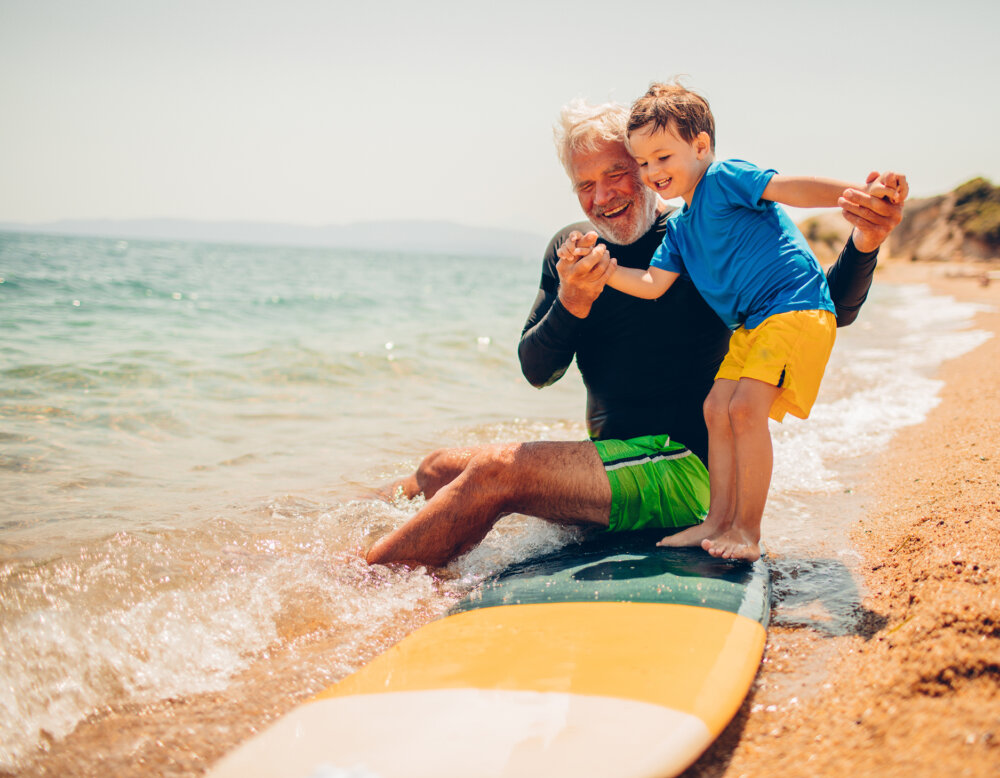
{"x":611,"y":194}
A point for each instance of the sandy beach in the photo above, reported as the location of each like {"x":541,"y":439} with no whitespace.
{"x":916,"y":691}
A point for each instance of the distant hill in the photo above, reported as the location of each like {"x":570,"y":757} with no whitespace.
{"x":963,"y":224}
{"x":403,"y":236}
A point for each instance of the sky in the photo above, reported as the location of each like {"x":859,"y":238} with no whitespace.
{"x":331,"y":112}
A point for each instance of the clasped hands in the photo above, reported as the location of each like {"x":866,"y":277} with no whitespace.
{"x":584,"y":268}
{"x":875,"y":210}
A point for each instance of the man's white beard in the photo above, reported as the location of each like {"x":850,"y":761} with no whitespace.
{"x":628,"y":231}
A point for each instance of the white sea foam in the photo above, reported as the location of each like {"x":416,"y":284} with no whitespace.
{"x":880,"y":379}
{"x":142,"y":618}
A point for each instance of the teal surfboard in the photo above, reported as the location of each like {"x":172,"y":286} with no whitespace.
{"x":610,"y":658}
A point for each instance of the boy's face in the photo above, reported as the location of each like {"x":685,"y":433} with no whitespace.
{"x":668,"y":164}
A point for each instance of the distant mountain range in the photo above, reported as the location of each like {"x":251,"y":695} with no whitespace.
{"x":404,"y":236}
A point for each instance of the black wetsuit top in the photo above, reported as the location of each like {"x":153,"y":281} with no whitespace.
{"x":648,"y":365}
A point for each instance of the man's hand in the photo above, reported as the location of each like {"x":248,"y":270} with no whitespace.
{"x":583,"y":269}
{"x":872,"y":214}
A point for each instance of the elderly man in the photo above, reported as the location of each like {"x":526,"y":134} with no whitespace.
{"x":643,"y":465}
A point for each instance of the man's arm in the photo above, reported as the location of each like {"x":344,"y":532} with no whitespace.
{"x":549,"y":338}
{"x":850,"y":278}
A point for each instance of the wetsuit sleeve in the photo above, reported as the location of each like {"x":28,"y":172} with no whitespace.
{"x":849,"y":279}
{"x":551,"y":333}
{"x":548,"y":341}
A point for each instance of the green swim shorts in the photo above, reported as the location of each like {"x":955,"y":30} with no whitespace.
{"x":654,"y":483}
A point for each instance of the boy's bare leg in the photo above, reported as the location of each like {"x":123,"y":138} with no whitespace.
{"x":437,"y":469}
{"x":721,"y":469}
{"x":748,"y":410}
{"x":559,"y":481}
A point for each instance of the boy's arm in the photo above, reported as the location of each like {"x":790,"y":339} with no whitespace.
{"x":648,"y":284}
{"x":811,"y":192}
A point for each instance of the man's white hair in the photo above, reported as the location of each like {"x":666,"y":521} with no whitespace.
{"x":584,"y":127}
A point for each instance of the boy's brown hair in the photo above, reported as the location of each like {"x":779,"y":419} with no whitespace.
{"x":672,"y":107}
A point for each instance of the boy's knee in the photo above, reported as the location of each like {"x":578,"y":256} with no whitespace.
{"x":745,"y":414}
{"x":716,"y":409}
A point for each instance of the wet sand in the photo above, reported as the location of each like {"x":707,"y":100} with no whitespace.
{"x":916,"y":691}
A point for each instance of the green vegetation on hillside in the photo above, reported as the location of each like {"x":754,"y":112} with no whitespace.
{"x":977,"y":210}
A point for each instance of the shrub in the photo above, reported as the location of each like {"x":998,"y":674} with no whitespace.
{"x":977,"y":210}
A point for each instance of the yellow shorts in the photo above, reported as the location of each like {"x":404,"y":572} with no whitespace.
{"x":787,"y":350}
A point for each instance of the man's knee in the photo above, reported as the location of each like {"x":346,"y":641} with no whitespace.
{"x":430,"y":467}
{"x":491,"y":465}
{"x":491,"y":475}
{"x":439,"y":468}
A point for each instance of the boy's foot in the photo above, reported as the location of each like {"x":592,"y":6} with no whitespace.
{"x":734,"y":543}
{"x":693,"y":536}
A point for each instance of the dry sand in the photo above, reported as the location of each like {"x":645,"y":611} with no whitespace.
{"x":916,"y":692}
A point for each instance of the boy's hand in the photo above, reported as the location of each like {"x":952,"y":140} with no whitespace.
{"x":583,"y":269}
{"x":874,"y":217}
{"x":577,"y":245}
{"x":888,"y":186}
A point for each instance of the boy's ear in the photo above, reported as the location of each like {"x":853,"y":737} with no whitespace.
{"x":703,"y":143}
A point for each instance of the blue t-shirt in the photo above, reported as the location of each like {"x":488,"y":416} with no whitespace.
{"x":744,"y":254}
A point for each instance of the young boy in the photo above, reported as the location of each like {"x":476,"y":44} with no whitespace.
{"x":754,"y":268}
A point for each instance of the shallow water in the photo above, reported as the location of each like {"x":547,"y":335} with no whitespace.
{"x":190,"y":436}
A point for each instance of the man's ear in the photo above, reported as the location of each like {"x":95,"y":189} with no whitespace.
{"x":703,"y":143}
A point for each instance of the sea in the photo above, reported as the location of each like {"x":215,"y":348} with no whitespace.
{"x":194,"y":444}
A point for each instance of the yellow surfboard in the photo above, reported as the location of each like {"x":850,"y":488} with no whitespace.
{"x":611,"y":658}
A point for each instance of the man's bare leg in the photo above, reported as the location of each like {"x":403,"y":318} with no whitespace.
{"x":721,"y":470}
{"x":559,"y":481}
{"x":748,"y":410}
{"x":437,"y":469}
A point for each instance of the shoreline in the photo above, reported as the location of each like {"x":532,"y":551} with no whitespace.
{"x":915,"y":690}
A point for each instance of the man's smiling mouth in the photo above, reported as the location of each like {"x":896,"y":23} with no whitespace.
{"x":611,"y":213}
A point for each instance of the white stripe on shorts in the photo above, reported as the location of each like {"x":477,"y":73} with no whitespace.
{"x":647,"y":460}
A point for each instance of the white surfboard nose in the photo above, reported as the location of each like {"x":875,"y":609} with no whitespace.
{"x":458,"y":733}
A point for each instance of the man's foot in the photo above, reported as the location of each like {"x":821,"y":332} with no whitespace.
{"x":734,"y":543}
